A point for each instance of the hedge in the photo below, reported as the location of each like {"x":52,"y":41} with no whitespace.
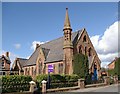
{"x":56,"y":79}
{"x":15,"y":83}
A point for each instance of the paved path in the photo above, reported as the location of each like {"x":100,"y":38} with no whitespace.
{"x":110,"y":88}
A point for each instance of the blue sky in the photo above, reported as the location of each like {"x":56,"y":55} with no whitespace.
{"x":24,"y":23}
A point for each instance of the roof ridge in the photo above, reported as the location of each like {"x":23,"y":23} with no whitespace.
{"x":58,"y":38}
{"x":33,"y":53}
{"x":51,"y":41}
{"x":22,"y":58}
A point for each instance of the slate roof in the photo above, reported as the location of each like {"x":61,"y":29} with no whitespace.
{"x":33,"y":57}
{"x":53,"y":50}
{"x":22,"y":61}
{"x":6,"y":58}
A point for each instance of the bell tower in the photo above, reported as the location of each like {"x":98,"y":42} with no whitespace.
{"x":67,"y":45}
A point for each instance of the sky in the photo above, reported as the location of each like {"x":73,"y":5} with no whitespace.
{"x":25,"y":24}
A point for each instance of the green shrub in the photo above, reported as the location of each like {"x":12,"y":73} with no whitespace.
{"x":41,"y":77}
{"x":111,"y":72}
{"x":15,"y":83}
{"x":117,"y":67}
{"x":74,"y":77}
{"x":57,"y":80}
{"x":66,"y":77}
{"x":88,"y":79}
{"x":80,"y":65}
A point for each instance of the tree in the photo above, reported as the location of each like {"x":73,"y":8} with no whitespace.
{"x":80,"y":65}
{"x":116,"y":70}
{"x":117,"y":67}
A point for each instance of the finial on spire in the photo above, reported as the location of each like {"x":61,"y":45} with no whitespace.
{"x":67,"y":21}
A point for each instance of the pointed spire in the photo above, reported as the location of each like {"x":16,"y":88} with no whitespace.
{"x":67,"y":21}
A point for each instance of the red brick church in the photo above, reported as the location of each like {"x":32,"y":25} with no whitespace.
{"x":59,"y":53}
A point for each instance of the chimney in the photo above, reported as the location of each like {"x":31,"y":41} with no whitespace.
{"x":7,"y":54}
{"x":37,"y":45}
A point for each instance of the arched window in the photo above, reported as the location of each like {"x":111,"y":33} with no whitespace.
{"x":80,"y":49}
{"x":34,"y":71}
{"x":90,"y":52}
{"x":2,"y":62}
{"x":25,"y":71}
{"x":84,"y":39}
{"x":28,"y":71}
{"x":95,"y":65}
{"x":40,"y":67}
{"x":67,"y":32}
{"x":60,"y":68}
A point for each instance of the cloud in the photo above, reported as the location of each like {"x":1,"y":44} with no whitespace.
{"x":107,"y":44}
{"x":17,"y":46}
{"x":107,"y":57}
{"x":105,"y":64}
{"x":34,"y":44}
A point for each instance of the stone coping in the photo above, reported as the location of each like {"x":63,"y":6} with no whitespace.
{"x":74,"y":88}
{"x":25,"y":92}
{"x":95,"y":85}
{"x":63,"y":89}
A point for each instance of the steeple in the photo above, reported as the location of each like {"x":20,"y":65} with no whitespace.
{"x":67,"y":21}
{"x":67,"y":32}
{"x":67,"y":46}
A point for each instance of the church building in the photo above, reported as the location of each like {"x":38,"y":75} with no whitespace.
{"x":59,"y":53}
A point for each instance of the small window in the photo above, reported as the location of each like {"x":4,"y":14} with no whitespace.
{"x":3,"y":73}
{"x":85,"y":50}
{"x":67,"y":32}
{"x":80,"y":49}
{"x":2,"y":63}
{"x":27,"y":71}
{"x":95,"y":65}
{"x":60,"y":68}
{"x":40,"y":67}
{"x":32,"y":71}
{"x":84,"y":39}
{"x":90,"y":52}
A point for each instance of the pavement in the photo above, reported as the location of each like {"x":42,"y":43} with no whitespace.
{"x":110,"y":88}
